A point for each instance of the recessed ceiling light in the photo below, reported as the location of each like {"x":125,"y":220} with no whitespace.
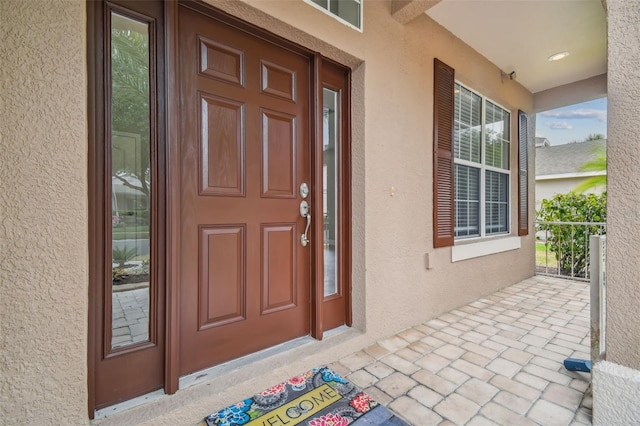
{"x":557,"y":56}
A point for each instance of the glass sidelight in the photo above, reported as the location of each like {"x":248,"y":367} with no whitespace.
{"x":330,"y":168}
{"x":130,"y":134}
{"x":127,"y":219}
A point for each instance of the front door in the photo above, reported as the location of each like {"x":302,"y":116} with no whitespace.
{"x":245,"y":152}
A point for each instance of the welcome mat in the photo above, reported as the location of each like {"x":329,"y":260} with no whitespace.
{"x":319,"y":397}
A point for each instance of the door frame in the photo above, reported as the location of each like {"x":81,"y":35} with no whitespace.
{"x":99,"y":233}
{"x":171,"y":165}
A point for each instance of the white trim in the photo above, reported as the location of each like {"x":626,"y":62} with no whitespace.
{"x":338,"y":18}
{"x":571,"y":175}
{"x":484,"y":248}
{"x":483,"y":166}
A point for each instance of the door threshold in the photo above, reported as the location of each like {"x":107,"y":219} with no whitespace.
{"x":220,"y":369}
{"x":224,"y":368}
{"x":103,"y":413}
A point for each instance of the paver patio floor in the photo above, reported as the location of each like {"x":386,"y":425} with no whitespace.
{"x":496,"y":361}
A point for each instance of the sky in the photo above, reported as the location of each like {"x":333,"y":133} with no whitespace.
{"x":573,"y":123}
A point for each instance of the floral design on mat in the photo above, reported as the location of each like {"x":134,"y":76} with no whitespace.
{"x":329,"y":420}
{"x":363,"y":403}
{"x":272,"y":397}
{"x":297,"y":383}
{"x":331,"y":376}
{"x":233,"y":415}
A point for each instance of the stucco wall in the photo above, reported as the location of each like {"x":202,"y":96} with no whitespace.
{"x":43,"y":212}
{"x":616,"y":382}
{"x":616,"y":395}
{"x":392,"y":147}
{"x":623,"y":154}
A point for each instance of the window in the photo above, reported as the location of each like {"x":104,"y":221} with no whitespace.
{"x":471,"y":168}
{"x":523,"y":173}
{"x":348,"y":11}
{"x":481,"y":142}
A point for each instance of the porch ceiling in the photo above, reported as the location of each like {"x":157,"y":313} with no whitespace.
{"x":519,"y":35}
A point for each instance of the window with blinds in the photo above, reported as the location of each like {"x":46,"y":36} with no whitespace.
{"x":481,"y":142}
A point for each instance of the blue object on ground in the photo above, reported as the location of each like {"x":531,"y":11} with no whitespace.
{"x":574,"y":364}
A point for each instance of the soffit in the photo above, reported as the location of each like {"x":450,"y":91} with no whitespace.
{"x":519,"y":35}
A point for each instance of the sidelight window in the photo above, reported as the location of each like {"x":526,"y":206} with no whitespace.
{"x":130,"y":131}
{"x":330,"y":168}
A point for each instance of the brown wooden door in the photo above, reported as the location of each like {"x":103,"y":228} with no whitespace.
{"x":245,"y":277}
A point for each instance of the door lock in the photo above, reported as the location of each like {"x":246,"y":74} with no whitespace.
{"x":304,"y":190}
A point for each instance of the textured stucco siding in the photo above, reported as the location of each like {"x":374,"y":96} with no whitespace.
{"x":43,"y":213}
{"x":623,"y":154}
{"x":616,"y":391}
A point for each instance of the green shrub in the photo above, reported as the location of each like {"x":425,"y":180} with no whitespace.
{"x":123,"y":255}
{"x":570,"y":244}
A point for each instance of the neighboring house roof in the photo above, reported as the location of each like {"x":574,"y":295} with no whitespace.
{"x":542,"y":142}
{"x":566,"y":160}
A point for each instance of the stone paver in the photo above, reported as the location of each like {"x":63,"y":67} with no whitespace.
{"x":362,"y":379}
{"x":548,"y":413}
{"x":478,"y":391}
{"x":376,"y":351}
{"x":425,"y":396}
{"x":380,"y":370}
{"x":504,"y":367}
{"x":130,"y":315}
{"x":396,"y":384}
{"x":457,"y":408}
{"x":432,"y":362}
{"x":414,"y":412}
{"x":356,"y":361}
{"x":496,"y":361}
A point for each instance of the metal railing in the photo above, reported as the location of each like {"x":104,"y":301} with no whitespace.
{"x":562,"y":248}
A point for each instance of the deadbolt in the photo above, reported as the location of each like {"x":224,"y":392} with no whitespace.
{"x":304,"y":190}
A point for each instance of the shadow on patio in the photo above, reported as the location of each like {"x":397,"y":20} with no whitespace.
{"x":498,"y":360}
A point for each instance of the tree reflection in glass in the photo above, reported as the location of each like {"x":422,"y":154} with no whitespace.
{"x":130,"y":180}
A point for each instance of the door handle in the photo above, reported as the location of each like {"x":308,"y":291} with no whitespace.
{"x":304,"y":212}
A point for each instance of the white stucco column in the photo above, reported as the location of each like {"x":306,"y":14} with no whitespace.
{"x":616,"y":383}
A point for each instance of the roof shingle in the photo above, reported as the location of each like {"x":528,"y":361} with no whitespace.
{"x":567,"y":158}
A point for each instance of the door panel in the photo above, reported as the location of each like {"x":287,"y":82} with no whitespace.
{"x":222,"y":147}
{"x":278,"y":255}
{"x":245,"y":278}
{"x":221,"y":62}
{"x":278,"y":81}
{"x":222,"y":284}
{"x":278,"y":155}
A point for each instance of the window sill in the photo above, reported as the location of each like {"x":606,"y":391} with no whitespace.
{"x":464,"y":251}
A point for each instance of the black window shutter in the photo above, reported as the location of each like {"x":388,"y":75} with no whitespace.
{"x":443,"y":185}
{"x":523,"y":173}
